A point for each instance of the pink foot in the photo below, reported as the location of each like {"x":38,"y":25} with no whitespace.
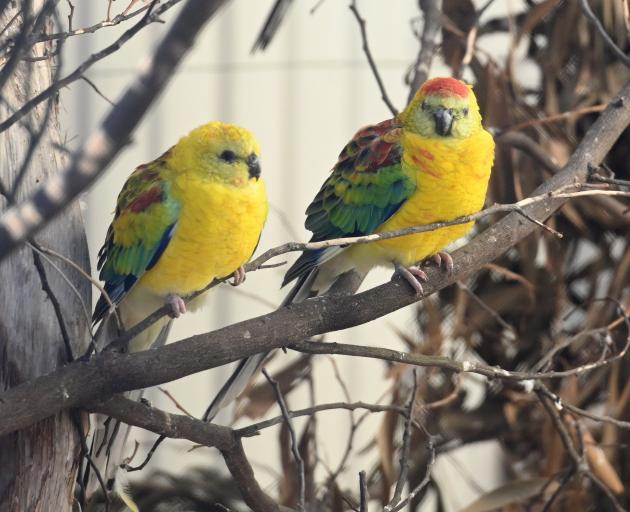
{"x":413,"y":275}
{"x":177,"y":304}
{"x":239,"y":276}
{"x":443,"y":260}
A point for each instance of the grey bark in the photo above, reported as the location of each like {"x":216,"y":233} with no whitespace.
{"x":38,"y":464}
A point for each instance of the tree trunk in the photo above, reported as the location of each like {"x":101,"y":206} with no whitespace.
{"x":38,"y":465}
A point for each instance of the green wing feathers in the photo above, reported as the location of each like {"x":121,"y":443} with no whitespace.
{"x":143,"y":224}
{"x":366,"y":187}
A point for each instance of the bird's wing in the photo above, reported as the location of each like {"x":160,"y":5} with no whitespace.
{"x":365,"y":188}
{"x":144,"y":223}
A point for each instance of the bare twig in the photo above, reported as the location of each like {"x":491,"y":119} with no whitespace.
{"x":586,"y":9}
{"x":319,"y":347}
{"x":294,"y":442}
{"x":208,"y":434}
{"x":170,"y":396}
{"x":406,"y":446}
{"x":432,"y":10}
{"x":96,"y":89}
{"x":55,"y":304}
{"x":41,"y":37}
{"x":556,"y":118}
{"x":370,"y":59}
{"x":424,"y":482}
{"x":87,"y":64}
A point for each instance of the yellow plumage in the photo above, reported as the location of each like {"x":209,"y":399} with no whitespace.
{"x":193,"y":215}
{"x":451,"y":184}
{"x":447,"y":169}
{"x":208,"y":244}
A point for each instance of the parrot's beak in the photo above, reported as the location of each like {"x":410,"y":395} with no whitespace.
{"x":443,"y":121}
{"x":254,"y":166}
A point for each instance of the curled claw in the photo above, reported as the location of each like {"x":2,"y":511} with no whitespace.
{"x":413,"y":275}
{"x":177,"y":304}
{"x":443,"y":260}
{"x":239,"y":276}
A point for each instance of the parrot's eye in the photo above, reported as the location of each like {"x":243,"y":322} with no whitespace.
{"x":465,"y":112}
{"x":425,"y":106}
{"x":228,"y":156}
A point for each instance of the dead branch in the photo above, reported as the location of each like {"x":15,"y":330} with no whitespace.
{"x":370,"y":59}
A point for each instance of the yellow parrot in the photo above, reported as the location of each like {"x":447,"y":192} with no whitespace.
{"x":430,"y":163}
{"x":194,"y":214}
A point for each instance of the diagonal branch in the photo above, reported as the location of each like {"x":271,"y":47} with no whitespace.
{"x":22,"y":221}
{"x":208,"y":434}
{"x":107,"y":373}
{"x":370,"y":59}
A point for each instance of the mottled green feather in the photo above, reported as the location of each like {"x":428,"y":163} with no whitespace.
{"x":366,"y":187}
{"x":142,"y":227}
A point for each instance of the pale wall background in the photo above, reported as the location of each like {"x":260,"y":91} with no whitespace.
{"x":303,"y":98}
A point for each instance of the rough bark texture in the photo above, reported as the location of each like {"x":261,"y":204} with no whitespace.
{"x":38,"y":464}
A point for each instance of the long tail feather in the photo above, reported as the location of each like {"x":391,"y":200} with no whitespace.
{"x":109,"y":436}
{"x":248,"y":367}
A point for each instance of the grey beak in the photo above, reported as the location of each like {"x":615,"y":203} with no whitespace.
{"x":254,"y":166}
{"x":443,"y":121}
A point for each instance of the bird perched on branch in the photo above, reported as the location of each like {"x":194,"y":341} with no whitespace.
{"x":193,"y":215}
{"x":430,"y":163}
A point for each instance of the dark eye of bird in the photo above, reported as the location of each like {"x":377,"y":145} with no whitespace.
{"x":425,"y":106}
{"x":465,"y":112}
{"x":228,"y":156}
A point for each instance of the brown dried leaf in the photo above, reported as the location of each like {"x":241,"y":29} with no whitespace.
{"x":462,"y":14}
{"x":599,"y":463}
{"x":386,"y":447}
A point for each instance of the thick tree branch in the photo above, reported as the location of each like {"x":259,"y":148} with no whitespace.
{"x":22,"y":221}
{"x":108,"y":373}
{"x":208,"y":434}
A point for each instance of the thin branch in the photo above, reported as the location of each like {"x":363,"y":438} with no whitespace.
{"x":294,"y":442}
{"x":586,"y":9}
{"x":55,"y":304}
{"x":425,"y":481}
{"x":370,"y":59}
{"x":254,"y":429}
{"x":87,"y":64}
{"x":406,"y":446}
{"x":177,"y":426}
{"x":446,"y":363}
{"x":432,"y":10}
{"x":21,"y":221}
{"x":555,"y":118}
{"x":97,"y":90}
{"x":39,"y":38}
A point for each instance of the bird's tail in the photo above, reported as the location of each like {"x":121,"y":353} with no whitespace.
{"x":249,"y":366}
{"x":108,"y":435}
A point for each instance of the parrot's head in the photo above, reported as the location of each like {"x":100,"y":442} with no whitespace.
{"x":443,"y":107}
{"x":217,"y":152}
